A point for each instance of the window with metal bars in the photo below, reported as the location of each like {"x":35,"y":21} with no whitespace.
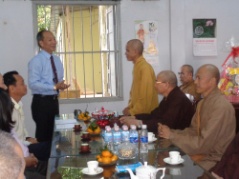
{"x":88,"y":45}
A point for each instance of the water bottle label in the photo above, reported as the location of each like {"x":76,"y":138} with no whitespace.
{"x":144,"y":139}
{"x":108,"y":137}
{"x":122,"y":168}
{"x":125,"y":135}
{"x":117,"y":137}
{"x":133,"y":139}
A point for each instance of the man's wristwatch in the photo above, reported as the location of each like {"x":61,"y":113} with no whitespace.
{"x":54,"y":87}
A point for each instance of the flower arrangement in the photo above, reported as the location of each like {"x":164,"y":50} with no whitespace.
{"x":229,"y":82}
{"x":102,"y":117}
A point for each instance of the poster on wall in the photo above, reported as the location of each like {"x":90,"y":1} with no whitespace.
{"x":147,"y":33}
{"x":204,"y":37}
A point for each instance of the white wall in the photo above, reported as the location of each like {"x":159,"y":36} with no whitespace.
{"x":17,"y":39}
{"x":17,"y":44}
{"x":182,"y":13}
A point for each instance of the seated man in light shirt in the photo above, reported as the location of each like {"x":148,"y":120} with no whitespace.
{"x":16,"y":90}
{"x":34,"y":168}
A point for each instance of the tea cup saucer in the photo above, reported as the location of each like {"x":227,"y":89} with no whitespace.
{"x":86,"y":171}
{"x":152,"y":140}
{"x":168,"y":161}
{"x":85,"y":152}
{"x":85,"y":138}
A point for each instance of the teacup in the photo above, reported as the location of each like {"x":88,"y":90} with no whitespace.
{"x":92,"y":167}
{"x":85,"y":135}
{"x":151,"y":136}
{"x":174,"y":156}
{"x":84,"y":147}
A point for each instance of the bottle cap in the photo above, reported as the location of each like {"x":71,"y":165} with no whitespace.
{"x":116,"y":128}
{"x":125,"y":127}
{"x":108,"y":128}
{"x":144,"y":126}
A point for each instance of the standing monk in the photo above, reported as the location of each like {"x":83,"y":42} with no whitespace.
{"x":45,"y":78}
{"x":143,"y":96}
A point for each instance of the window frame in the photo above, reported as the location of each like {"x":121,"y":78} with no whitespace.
{"x":118,"y":61}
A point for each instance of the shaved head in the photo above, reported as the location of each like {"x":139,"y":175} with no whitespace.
{"x":212,"y":70}
{"x":189,"y":68}
{"x":137,"y":45}
{"x":168,"y":76}
{"x":166,"y":82}
{"x":207,"y":79}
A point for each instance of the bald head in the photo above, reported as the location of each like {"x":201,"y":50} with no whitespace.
{"x":189,"y":68}
{"x":186,"y":74}
{"x":168,"y":76}
{"x":212,"y":71}
{"x":12,"y":163}
{"x":207,"y":79}
{"x":136,"y":45}
{"x":166,"y":82}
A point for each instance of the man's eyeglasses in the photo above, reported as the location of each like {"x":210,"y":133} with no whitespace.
{"x":159,"y":82}
{"x":180,"y":73}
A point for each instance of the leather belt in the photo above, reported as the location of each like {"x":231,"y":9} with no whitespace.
{"x":53,"y":97}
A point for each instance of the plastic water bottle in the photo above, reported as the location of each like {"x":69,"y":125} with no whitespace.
{"x":133,"y":135}
{"x":125,"y":133}
{"x":108,"y":137}
{"x":116,"y":114}
{"x":116,"y":135}
{"x":144,"y":140}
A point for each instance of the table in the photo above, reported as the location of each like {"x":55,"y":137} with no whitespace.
{"x":65,"y":152}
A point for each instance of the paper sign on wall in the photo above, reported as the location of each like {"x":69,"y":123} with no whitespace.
{"x":204,"y":37}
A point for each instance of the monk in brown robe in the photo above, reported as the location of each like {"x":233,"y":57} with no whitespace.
{"x":228,"y":167}
{"x":186,"y":78}
{"x":213,"y":125}
{"x":175,"y":110}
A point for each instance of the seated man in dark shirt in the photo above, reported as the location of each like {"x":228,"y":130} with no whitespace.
{"x":175,"y":109}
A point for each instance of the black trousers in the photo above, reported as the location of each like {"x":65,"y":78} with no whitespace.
{"x":41,"y":150}
{"x":44,"y":109}
{"x":36,"y":173}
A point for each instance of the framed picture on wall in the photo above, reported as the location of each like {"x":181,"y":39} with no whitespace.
{"x":204,"y":37}
{"x":147,"y":32}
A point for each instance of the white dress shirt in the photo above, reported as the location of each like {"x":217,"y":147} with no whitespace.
{"x":19,"y":119}
{"x":24,"y":147}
